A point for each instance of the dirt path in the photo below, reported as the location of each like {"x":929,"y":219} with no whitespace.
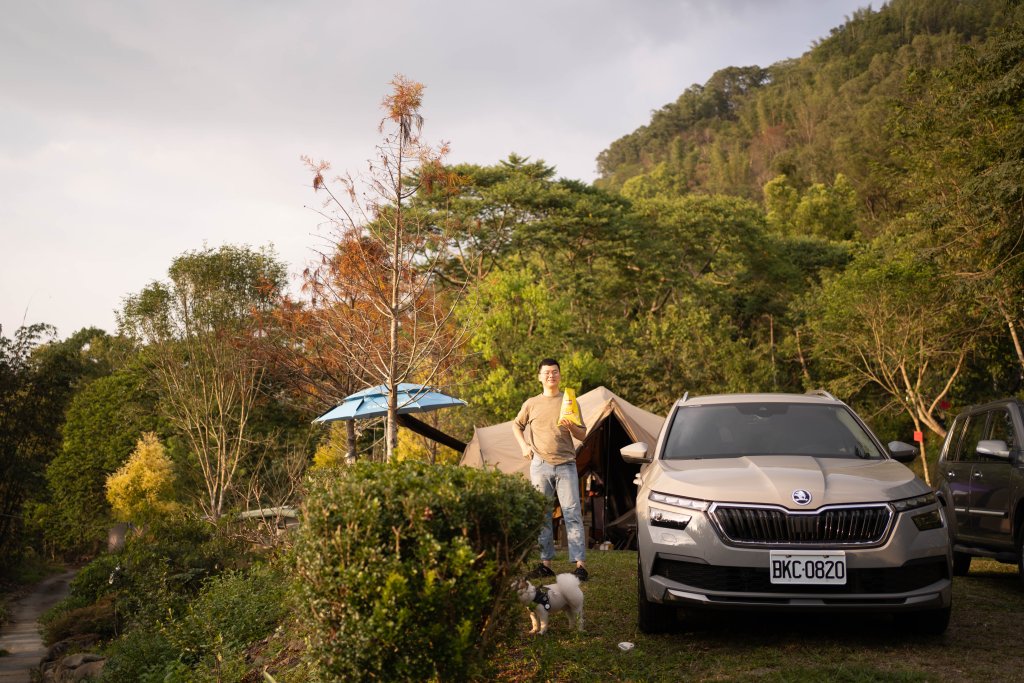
{"x":21,"y":636}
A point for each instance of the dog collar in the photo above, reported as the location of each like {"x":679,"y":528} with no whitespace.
{"x":541,"y":597}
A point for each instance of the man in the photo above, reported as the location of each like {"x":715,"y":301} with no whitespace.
{"x":553,"y":465}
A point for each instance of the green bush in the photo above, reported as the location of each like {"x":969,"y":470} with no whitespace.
{"x":92,"y":582}
{"x":164,"y":568}
{"x":208,"y":641}
{"x":231,"y":611}
{"x":142,"y":655}
{"x":99,"y":618}
{"x":405,"y":567}
{"x":155,"y":575}
{"x":89,"y":598}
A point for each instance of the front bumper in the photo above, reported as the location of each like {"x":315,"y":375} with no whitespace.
{"x":910,"y":570}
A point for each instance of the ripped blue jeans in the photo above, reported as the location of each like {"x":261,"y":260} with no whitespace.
{"x":561,"y":482}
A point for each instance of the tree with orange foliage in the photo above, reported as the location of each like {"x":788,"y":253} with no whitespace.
{"x":374,"y":303}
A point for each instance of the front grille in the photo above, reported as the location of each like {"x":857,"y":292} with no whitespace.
{"x":839,"y":526}
{"x":911,"y":576}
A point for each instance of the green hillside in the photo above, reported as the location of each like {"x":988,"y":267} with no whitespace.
{"x":808,"y":118}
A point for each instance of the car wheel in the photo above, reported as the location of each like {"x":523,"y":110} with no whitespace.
{"x":652,"y":617}
{"x":961,"y":564}
{"x":929,"y":622}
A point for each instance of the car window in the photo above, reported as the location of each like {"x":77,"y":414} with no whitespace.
{"x":950,"y":447}
{"x":734,"y":430}
{"x":974,"y":433}
{"x":1001,"y":427}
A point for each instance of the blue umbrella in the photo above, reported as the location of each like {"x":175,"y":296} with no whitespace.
{"x":373,"y":402}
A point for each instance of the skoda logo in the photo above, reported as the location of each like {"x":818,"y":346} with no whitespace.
{"x":801,"y":497}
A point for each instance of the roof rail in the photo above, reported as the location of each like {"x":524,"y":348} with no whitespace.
{"x":822,"y":393}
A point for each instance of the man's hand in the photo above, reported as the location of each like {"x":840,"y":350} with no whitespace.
{"x":528,"y":453}
{"x":578,"y":432}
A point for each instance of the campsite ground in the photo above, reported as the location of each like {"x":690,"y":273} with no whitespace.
{"x":980,"y":645}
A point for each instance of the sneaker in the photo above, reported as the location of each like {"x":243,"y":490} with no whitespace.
{"x":541,"y":571}
{"x":580,"y":573}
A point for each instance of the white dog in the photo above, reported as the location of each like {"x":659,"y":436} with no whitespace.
{"x":564,"y":594}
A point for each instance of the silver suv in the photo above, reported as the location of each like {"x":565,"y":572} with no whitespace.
{"x":785,"y":502}
{"x":981,"y":479}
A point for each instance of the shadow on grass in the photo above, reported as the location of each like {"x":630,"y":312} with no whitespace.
{"x":865,"y":629}
{"x":980,"y":644}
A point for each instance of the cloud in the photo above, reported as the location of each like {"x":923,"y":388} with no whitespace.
{"x":131,"y":132}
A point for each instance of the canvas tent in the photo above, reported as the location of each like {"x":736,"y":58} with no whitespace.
{"x":609,"y":493}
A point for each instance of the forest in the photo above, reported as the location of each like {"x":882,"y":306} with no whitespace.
{"x":851,"y":219}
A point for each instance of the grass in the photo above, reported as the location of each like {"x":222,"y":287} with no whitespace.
{"x":980,"y":644}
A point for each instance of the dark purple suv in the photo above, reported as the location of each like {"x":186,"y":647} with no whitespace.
{"x":981,"y":480}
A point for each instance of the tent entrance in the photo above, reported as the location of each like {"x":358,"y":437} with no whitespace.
{"x":610,"y":500}
{"x":609,"y":494}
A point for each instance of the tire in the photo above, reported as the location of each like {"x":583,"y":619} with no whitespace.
{"x":961,"y":564}
{"x":652,"y":617}
{"x":930,"y":622}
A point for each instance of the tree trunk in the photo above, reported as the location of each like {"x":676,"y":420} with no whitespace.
{"x":1011,"y":324}
{"x":924,"y":458}
{"x":350,"y":441}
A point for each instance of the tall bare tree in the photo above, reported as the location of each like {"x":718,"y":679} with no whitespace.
{"x":374,"y":291}
{"x":199,"y":330}
{"x":890,"y":322}
{"x":309,"y":341}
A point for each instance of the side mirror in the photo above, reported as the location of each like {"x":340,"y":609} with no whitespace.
{"x":902,"y":452}
{"x":994,"y":448}
{"x":635,"y":453}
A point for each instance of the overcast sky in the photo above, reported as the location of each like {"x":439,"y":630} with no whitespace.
{"x":133,"y":131}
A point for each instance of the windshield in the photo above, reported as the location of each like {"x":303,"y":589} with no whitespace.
{"x":739,"y":429}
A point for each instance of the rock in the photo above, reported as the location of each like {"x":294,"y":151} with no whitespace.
{"x":88,"y":670}
{"x":78,"y":659}
{"x":73,"y":644}
{"x":80,"y":666}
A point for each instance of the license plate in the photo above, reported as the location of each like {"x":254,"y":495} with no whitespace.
{"x":808,"y":567}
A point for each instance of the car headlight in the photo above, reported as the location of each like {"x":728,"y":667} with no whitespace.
{"x":669,"y":518}
{"x":925,"y":520}
{"x":666,"y":510}
{"x":678,"y":501}
{"x":913,"y":503}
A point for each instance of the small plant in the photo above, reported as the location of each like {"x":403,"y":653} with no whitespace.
{"x":408,"y":564}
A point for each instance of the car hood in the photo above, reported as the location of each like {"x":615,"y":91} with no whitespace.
{"x":772,"y":479}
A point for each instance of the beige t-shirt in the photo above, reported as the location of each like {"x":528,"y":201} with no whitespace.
{"x":547,"y":439}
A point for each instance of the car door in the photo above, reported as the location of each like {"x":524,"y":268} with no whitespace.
{"x":991,"y":484}
{"x":956,"y":469}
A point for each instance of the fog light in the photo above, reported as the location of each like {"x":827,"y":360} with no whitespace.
{"x":928,"y":520}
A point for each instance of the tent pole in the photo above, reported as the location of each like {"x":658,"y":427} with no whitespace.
{"x":422,"y":428}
